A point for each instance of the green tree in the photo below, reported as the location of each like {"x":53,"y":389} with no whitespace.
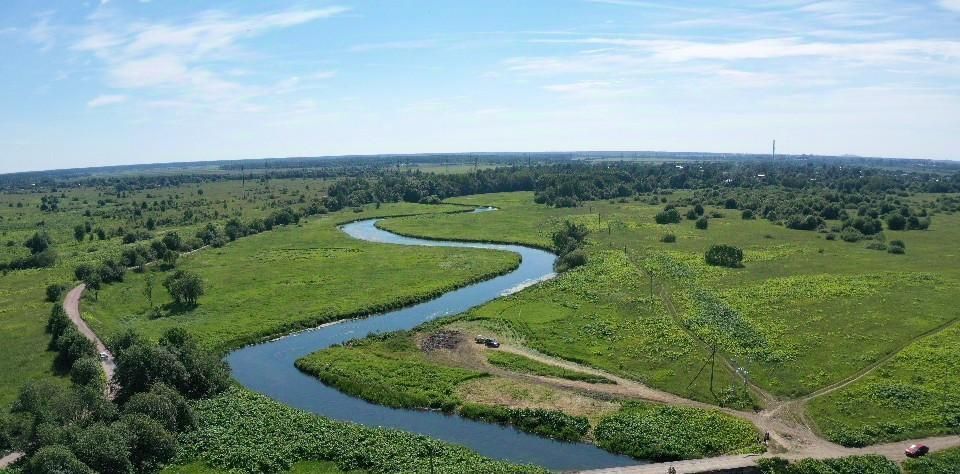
{"x":724,"y":256}
{"x":148,"y":282}
{"x":702,"y":223}
{"x":896,"y":221}
{"x":185,"y":287}
{"x":668,"y":216}
{"x":151,"y":446}
{"x":104,"y":448}
{"x":71,"y":346}
{"x":79,"y":232}
{"x":56,"y":459}
{"x":165,"y":405}
{"x":86,"y":372}
{"x":38,"y":242}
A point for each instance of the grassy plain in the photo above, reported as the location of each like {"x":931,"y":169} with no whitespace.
{"x":526,"y":365}
{"x":293,"y":278}
{"x":804,"y":313}
{"x":23,"y":311}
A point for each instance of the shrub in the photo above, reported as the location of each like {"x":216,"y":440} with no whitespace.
{"x":549,"y":423}
{"x":702,"y":223}
{"x":869,"y":464}
{"x":668,"y":238}
{"x":896,"y":249}
{"x":55,"y":291}
{"x":831,"y":236}
{"x":571,"y":260}
{"x":692,"y":215}
{"x":876,"y":246}
{"x":86,"y":372}
{"x":724,"y":256}
{"x":56,"y":459}
{"x":669,"y":216}
{"x":850,"y":234}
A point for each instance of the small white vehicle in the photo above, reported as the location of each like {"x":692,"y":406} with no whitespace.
{"x":104,"y":356}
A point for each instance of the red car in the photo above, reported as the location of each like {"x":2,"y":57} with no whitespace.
{"x":916,"y":450}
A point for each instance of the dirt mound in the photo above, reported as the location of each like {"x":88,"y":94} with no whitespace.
{"x":442,"y":340}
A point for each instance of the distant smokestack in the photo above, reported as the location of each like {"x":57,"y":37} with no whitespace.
{"x":774,"y":156}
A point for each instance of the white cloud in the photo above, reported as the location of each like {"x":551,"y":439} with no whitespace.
{"x":42,"y":32}
{"x":181,"y":60}
{"x":952,"y":5}
{"x":104,"y":100}
{"x":409,"y":44}
{"x":775,"y":48}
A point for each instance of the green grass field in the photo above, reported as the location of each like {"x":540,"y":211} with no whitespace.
{"x":804,"y":312}
{"x":526,"y":365}
{"x":23,"y":311}
{"x":293,"y":278}
{"x":389,"y":370}
{"x":306,"y":467}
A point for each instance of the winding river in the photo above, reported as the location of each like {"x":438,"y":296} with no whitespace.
{"x":268,"y":368}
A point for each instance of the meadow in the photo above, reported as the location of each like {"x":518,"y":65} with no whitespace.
{"x":293,"y":278}
{"x":805,"y":312}
{"x":181,"y":208}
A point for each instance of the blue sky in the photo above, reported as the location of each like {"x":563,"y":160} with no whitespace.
{"x":126,"y":81}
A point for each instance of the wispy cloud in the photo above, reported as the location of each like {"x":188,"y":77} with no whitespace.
{"x":183,"y":59}
{"x":104,"y":100}
{"x":952,"y":5}
{"x":388,"y":45}
{"x":42,"y":33}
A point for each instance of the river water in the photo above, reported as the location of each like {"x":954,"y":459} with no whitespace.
{"x":268,"y":368}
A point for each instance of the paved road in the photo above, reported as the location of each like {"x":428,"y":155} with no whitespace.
{"x":71,"y":304}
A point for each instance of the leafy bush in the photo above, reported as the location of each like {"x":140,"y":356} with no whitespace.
{"x":668,"y":238}
{"x":55,"y":291}
{"x":669,"y":216}
{"x":869,"y":464}
{"x":568,"y":241}
{"x":185,"y":287}
{"x":850,"y":234}
{"x":702,"y":223}
{"x":747,"y":214}
{"x":549,"y":423}
{"x":724,"y":256}
{"x":670,"y":433}
{"x":56,"y":459}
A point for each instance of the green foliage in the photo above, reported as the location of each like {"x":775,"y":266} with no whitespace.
{"x":868,"y":464}
{"x":56,"y":459}
{"x":519,"y":363}
{"x":151,"y":445}
{"x":913,"y":395}
{"x":668,"y":216}
{"x":72,"y":346}
{"x":55,"y":291}
{"x":86,"y":372}
{"x":702,"y":223}
{"x":724,"y":256}
{"x":248,"y":433}
{"x":567,"y":241}
{"x":38,"y":242}
{"x":177,"y":362}
{"x":165,"y":405}
{"x":104,"y":448}
{"x":668,"y":433}
{"x":388,"y":370}
{"x":185,"y":287}
{"x":549,"y":423}
{"x":668,"y":238}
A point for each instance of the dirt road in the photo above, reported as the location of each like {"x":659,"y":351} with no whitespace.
{"x":71,"y":304}
{"x":10,"y":459}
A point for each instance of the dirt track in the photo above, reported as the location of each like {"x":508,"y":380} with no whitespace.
{"x":71,"y":304}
